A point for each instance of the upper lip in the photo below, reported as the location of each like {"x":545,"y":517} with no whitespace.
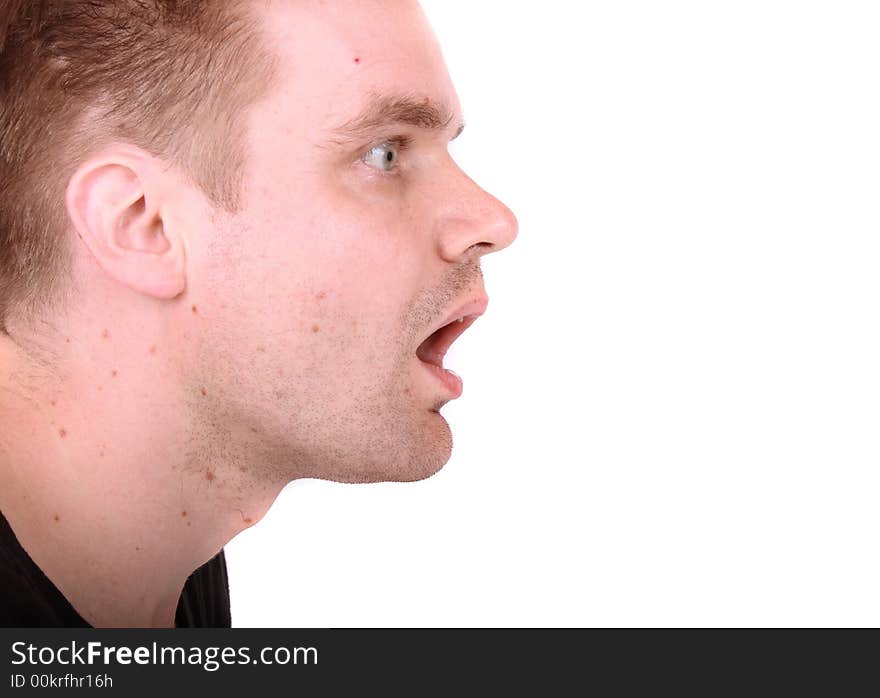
{"x":470,"y":309}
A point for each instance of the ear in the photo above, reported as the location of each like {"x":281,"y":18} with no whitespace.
{"x":114,"y":201}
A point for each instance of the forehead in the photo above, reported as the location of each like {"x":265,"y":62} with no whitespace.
{"x":333,"y":57}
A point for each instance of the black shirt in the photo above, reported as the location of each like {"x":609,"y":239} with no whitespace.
{"x":28,"y":599}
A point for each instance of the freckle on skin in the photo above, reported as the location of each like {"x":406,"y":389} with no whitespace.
{"x":209,"y":476}
{"x":321,"y":296}
{"x":100,"y":388}
{"x":105,"y":334}
{"x":153,"y":349}
{"x":357,"y":59}
{"x":261,"y":349}
{"x":62,"y":433}
{"x":248,"y":520}
{"x":57,"y":518}
{"x":114,"y":372}
{"x":189,"y":523}
{"x":204,"y":392}
{"x":315,"y":328}
{"x":195,"y":310}
{"x":53,"y":403}
{"x":183,"y":514}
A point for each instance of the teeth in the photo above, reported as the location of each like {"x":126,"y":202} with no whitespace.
{"x":461,"y":319}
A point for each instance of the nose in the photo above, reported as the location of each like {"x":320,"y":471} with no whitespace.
{"x":473,"y":219}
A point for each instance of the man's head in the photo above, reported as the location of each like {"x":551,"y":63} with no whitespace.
{"x":267,"y":216}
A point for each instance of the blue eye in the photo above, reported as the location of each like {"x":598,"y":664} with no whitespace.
{"x":384,"y":156}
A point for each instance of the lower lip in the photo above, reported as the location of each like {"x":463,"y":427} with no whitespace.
{"x":451,"y":382}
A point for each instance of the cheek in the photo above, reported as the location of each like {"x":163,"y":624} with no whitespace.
{"x":336,"y":330}
{"x":330,"y":273}
{"x":336,"y":228}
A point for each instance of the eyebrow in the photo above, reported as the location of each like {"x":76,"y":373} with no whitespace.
{"x":383,"y":111}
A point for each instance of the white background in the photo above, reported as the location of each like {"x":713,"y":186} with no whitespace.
{"x":671,"y":409}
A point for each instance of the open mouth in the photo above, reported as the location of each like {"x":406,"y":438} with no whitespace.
{"x":432,"y":350}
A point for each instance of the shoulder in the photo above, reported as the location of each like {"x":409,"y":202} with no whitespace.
{"x":29,"y":599}
{"x":204,"y":602}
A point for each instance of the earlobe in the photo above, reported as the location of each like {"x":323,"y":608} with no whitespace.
{"x":117,"y":214}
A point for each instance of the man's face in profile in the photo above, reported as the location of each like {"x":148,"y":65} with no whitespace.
{"x":357,"y":238}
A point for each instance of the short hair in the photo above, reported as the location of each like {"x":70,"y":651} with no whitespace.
{"x":174,"y":77}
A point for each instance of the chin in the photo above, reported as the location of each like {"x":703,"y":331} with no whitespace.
{"x":434,"y":454}
{"x":384,"y":472}
{"x":420,"y":472}
{"x":408,"y":455}
{"x":416,"y":460}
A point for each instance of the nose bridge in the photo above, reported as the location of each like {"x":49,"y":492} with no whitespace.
{"x":473,"y":217}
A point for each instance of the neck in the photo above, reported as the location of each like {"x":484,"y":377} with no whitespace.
{"x":114,"y":489}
